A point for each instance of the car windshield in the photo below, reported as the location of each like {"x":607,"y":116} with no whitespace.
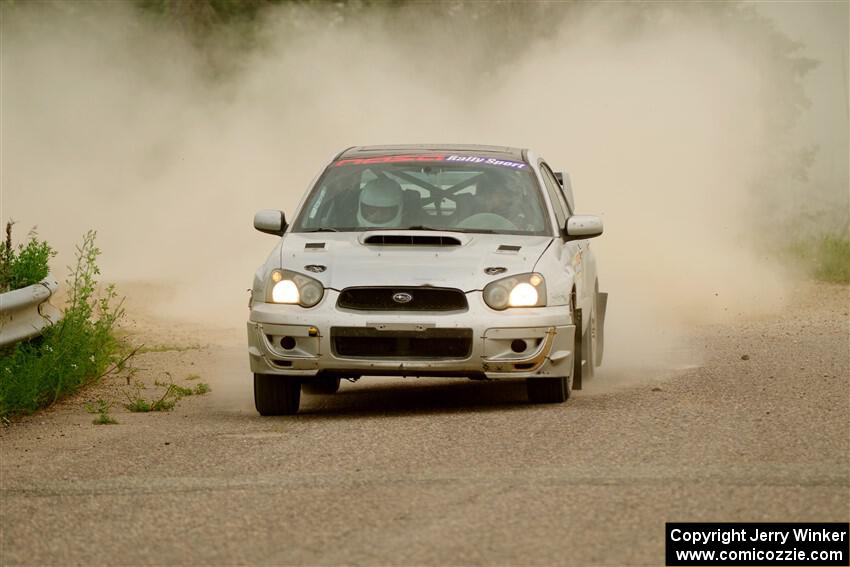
{"x":463,"y":193}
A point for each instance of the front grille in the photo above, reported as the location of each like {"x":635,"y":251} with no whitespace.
{"x":421,"y":299}
{"x":367,"y":342}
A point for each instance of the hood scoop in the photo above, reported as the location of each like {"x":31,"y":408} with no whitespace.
{"x":410,"y":240}
{"x":509,"y":248}
{"x":314,"y":245}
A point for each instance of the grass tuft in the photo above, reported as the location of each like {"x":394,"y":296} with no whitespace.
{"x":140,"y":405}
{"x":104,"y":419}
{"x":101,"y":408}
{"x":137,"y":405}
{"x":172,"y":394}
{"x":181,"y":391}
{"x":163,"y":405}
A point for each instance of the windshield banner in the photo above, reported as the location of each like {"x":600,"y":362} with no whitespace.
{"x":431,"y":158}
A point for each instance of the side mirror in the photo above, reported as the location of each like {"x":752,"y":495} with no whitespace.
{"x":579,"y":227}
{"x":270,"y":221}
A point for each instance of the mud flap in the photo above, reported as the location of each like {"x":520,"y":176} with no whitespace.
{"x":601,"y":305}
{"x":577,"y":354}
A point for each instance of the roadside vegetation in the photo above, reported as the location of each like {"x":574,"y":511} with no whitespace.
{"x":137,"y":402}
{"x":101,"y":408}
{"x":81,"y":348}
{"x":827,"y":257}
{"x":26,"y":265}
{"x":831,"y":262}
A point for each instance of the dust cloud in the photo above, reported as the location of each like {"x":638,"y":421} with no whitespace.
{"x":665,"y":118}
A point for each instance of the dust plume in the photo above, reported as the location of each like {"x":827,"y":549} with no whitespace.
{"x":670,"y":118}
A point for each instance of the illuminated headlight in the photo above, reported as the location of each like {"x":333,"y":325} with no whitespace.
{"x":294,"y":288}
{"x":525,"y":290}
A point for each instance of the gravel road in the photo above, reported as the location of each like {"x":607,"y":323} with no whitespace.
{"x":437,"y":472}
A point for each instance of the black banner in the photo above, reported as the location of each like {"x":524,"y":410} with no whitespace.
{"x":744,"y":544}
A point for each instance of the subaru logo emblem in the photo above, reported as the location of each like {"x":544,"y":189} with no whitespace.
{"x":402,"y":297}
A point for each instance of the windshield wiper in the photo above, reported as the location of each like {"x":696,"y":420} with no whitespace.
{"x":449,"y":229}
{"x":474,"y":230}
{"x":415,"y":227}
{"x":422,"y":227}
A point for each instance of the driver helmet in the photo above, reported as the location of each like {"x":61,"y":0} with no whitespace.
{"x":380,"y":204}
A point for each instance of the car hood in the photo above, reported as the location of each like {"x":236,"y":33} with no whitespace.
{"x":356,"y":259}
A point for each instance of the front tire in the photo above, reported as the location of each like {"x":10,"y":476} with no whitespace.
{"x":276,"y":395}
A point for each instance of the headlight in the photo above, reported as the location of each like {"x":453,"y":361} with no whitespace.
{"x":293,"y":288}
{"x":524,"y":290}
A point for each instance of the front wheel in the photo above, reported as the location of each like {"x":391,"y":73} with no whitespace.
{"x":276,"y":395}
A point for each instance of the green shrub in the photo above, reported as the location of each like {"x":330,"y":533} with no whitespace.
{"x":77,"y":350}
{"x":826,"y":257}
{"x":27,"y":265}
{"x":832,"y":259}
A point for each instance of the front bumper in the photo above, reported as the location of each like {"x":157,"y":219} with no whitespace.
{"x":292,"y":341}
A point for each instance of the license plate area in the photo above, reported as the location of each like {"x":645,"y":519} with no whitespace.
{"x":372,"y":342}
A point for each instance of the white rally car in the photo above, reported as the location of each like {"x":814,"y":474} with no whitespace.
{"x":427,"y":260}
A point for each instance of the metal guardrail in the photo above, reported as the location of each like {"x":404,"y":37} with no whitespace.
{"x":27,"y":312}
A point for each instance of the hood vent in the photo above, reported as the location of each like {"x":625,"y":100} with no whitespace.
{"x":509,"y":248}
{"x":314,"y":245}
{"x":410,"y":240}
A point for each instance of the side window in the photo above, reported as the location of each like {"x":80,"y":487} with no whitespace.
{"x":555,"y":195}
